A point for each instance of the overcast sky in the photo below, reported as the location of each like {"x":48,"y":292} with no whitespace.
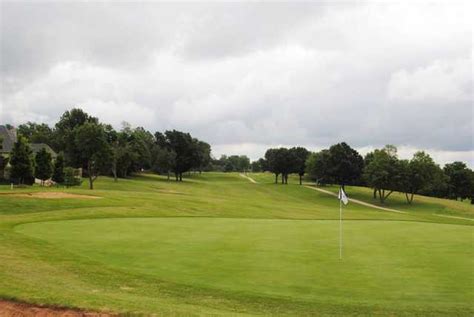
{"x":247,"y":76}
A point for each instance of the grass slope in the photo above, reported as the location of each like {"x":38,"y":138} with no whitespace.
{"x":218,"y":244}
{"x":421,"y":204}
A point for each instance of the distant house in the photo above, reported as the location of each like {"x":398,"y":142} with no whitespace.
{"x":36,"y":147}
{"x":8,"y":137}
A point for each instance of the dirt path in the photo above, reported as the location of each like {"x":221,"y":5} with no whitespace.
{"x":355,"y":200}
{"x":14,"y":309}
{"x":379,"y":207}
{"x":249,"y":178}
{"x":453,"y":217}
{"x":335,"y":195}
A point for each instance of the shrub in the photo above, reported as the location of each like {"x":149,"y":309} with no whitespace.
{"x":71,"y":177}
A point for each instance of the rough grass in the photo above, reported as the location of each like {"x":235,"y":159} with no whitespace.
{"x":218,"y":244}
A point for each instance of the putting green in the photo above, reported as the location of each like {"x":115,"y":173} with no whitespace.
{"x":386,"y":263}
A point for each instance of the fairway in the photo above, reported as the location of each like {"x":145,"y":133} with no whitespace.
{"x":220,"y":244}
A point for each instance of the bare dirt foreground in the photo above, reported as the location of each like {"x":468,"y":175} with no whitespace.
{"x":50,"y":195}
{"x":14,"y":309}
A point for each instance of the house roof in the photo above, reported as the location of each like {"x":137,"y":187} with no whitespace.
{"x":36,"y":147}
{"x":8,"y":137}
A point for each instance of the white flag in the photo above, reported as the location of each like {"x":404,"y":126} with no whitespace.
{"x":342,"y":196}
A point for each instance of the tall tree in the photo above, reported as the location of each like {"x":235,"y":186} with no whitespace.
{"x":345,"y":164}
{"x":471,"y":195}
{"x":279,"y":161}
{"x":383,"y":172}
{"x":263,"y":164}
{"x":112,"y":139}
{"x":229,"y":166}
{"x":43,"y":166}
{"x":438,"y":187}
{"x":203,"y":155}
{"x":21,"y":161}
{"x":141,"y":143}
{"x":244,"y":163}
{"x":367,"y":159}
{"x":285,"y":163}
{"x":256,"y":166}
{"x":64,"y":135}
{"x":183,"y":146}
{"x":124,"y":156}
{"x":58,"y":169}
{"x":418,"y":173}
{"x":90,"y":140}
{"x":459,"y":183}
{"x":235,"y":163}
{"x":36,"y":133}
{"x":299,"y":155}
{"x":163,"y":160}
{"x":272,"y":163}
{"x":218,"y":164}
{"x":317,"y":167}
{"x":121,"y":156}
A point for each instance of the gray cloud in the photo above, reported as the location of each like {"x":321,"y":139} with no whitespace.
{"x":245,"y":76}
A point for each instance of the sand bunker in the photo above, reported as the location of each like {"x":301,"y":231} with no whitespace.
{"x":9,"y":308}
{"x":49,"y":195}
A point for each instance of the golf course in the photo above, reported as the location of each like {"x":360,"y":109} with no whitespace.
{"x":233,"y":244}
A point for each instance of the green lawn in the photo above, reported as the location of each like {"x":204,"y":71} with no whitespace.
{"x":218,"y":244}
{"x":420,"y":204}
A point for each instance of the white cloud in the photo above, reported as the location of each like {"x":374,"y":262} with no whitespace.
{"x":440,"y":82}
{"x":247,"y":76}
{"x":117,"y":112}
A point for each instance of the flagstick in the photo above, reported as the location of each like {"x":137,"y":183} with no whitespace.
{"x":340,"y":228}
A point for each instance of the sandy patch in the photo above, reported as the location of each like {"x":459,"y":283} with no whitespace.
{"x":454,"y":217}
{"x":49,"y":195}
{"x":14,"y":309}
{"x":249,"y":178}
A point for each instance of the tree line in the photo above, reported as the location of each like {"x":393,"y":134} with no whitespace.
{"x":231,"y":163}
{"x":283,"y":161}
{"x":84,"y":142}
{"x":382,"y":170}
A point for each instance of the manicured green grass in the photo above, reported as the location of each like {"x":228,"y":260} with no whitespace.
{"x":218,"y":244}
{"x":421,"y":204}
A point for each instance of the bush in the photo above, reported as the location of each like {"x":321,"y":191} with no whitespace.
{"x":71,"y":177}
{"x":58,"y":169}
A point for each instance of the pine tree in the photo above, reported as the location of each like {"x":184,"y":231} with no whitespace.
{"x":21,"y":161}
{"x":58,"y":170}
{"x":43,"y":166}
